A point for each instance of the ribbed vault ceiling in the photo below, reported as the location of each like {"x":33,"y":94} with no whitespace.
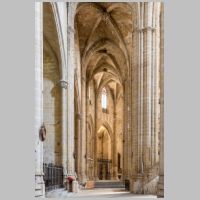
{"x":105,"y":41}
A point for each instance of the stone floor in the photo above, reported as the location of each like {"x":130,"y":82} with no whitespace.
{"x":94,"y":193}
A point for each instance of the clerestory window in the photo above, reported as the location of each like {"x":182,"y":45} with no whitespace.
{"x":104,"y":99}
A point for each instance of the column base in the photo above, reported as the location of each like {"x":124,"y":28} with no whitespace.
{"x":72,"y":186}
{"x":72,"y":178}
{"x":83,"y":179}
{"x":115,"y":178}
{"x":160,"y":192}
{"x":39,"y":186}
{"x":115,"y":173}
{"x":139,"y":185}
{"x":136,"y":184}
{"x":65,"y":181}
{"x":75,"y":186}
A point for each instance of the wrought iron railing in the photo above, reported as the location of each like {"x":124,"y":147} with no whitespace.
{"x":53,"y":176}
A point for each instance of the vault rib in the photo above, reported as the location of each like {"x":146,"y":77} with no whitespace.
{"x":97,"y":46}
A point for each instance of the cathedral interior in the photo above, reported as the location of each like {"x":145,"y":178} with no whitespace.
{"x":99,"y":97}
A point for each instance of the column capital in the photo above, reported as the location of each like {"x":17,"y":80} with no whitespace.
{"x":63,"y":84}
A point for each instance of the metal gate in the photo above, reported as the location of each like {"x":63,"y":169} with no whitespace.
{"x":53,"y":176}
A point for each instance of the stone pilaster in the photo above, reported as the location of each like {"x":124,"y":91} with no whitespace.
{"x":125,"y":133}
{"x":153,"y":90}
{"x":64,"y":86}
{"x":78,"y":142}
{"x":70,"y":74}
{"x":61,"y":17}
{"x":95,"y":139}
{"x":70,"y":135}
{"x":134,"y":99}
{"x":115,"y":168}
{"x":155,"y":83}
{"x":137,"y":178}
{"x":83,"y":130}
{"x":140,"y":88}
{"x":147,"y":79}
{"x":39,"y":182}
{"x":87,"y":140}
{"x":129,"y":127}
{"x":161,"y":158}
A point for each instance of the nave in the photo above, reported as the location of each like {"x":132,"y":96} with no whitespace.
{"x":99,"y":98}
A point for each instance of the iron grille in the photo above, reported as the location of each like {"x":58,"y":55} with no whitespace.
{"x":53,"y":176}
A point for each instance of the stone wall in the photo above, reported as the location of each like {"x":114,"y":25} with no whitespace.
{"x":52,"y":111}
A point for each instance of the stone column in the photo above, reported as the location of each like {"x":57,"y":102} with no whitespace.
{"x":60,"y":14}
{"x":64,"y":85}
{"x":95,"y":138}
{"x":83,"y":130}
{"x":137,"y":178}
{"x":115,"y":168}
{"x":134,"y":95}
{"x":156,"y":85}
{"x":129,"y":127}
{"x":147,"y":98}
{"x":39,"y":182}
{"x":161,"y":159}
{"x":70,"y":135}
{"x":140,"y":88}
{"x":87,"y":140}
{"x":79,"y":142}
{"x":70,"y":68}
{"x":141,"y":138}
{"x":153,"y":90}
{"x":147,"y":95}
{"x":125,"y":133}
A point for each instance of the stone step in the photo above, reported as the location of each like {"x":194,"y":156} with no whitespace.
{"x":109,"y":184}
